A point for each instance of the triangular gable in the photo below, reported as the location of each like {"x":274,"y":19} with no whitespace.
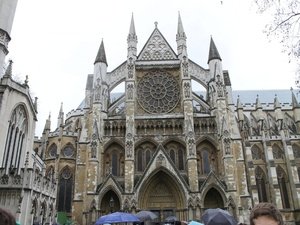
{"x":157,"y":48}
{"x":161,"y":160}
{"x":109,"y":183}
{"x":212,"y":179}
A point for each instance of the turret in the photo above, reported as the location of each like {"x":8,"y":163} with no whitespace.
{"x":7,"y":13}
{"x":100,"y":64}
{"x":99,"y":80}
{"x":259,"y":112}
{"x":47,"y":127}
{"x":60,"y":118}
{"x":8,"y":71}
{"x":181,"y":39}
{"x":296,"y":109}
{"x":240,"y":112}
{"x":278,"y":112}
{"x":216,"y":83}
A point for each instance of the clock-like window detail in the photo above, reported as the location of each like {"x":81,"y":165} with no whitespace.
{"x":68,"y":151}
{"x":158,"y":92}
{"x":53,"y":150}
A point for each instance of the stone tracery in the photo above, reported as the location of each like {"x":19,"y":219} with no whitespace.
{"x":158,"y":92}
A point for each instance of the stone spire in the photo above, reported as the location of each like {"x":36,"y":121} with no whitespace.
{"x":213,"y":51}
{"x":132,"y":33}
{"x":257,"y":103}
{"x":8,"y":72}
{"x":60,"y":119}
{"x":181,"y":39}
{"x":48,"y":123}
{"x":276,"y":103}
{"x":132,"y":41}
{"x":101,"y":57}
{"x":295,"y":103}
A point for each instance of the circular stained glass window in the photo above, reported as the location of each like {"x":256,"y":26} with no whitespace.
{"x":68,"y":151}
{"x":158,"y":92}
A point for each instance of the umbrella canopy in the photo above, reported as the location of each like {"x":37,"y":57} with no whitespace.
{"x":193,"y":222}
{"x":117,"y":217}
{"x":218,"y":217}
{"x":171,"y":219}
{"x":146,"y":215}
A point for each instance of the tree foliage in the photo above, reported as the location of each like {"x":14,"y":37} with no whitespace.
{"x":284,"y":25}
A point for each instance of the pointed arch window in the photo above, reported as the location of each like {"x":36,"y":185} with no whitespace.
{"x":205,"y":162}
{"x":261,"y":185}
{"x":180,"y":159}
{"x":15,"y":138}
{"x":277,"y":152}
{"x":143,"y":156}
{"x":172,"y":155}
{"x":148,"y":156}
{"x":256,"y":153}
{"x":283,"y":186}
{"x":140,"y":161}
{"x":53,"y":150}
{"x":296,"y":151}
{"x":114,"y":163}
{"x":65,"y":190}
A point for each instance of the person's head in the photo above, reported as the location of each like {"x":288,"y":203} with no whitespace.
{"x":6,"y":218}
{"x":265,"y":213}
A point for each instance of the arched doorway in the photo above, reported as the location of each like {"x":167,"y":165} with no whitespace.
{"x":162,"y":195}
{"x":213,"y":199}
{"x":110,"y":203}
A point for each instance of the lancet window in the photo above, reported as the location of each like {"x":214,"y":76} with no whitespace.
{"x":15,"y":138}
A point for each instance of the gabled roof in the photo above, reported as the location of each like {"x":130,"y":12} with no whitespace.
{"x":157,"y":48}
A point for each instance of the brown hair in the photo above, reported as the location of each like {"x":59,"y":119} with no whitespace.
{"x":266,"y":209}
{"x":6,"y":218}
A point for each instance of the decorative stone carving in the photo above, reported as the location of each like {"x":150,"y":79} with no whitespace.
{"x":130,"y":91}
{"x":185,"y":67}
{"x":130,"y":68}
{"x":219,"y":84}
{"x":186,"y":89}
{"x":158,"y":92}
{"x":157,"y":49}
{"x":129,"y":147}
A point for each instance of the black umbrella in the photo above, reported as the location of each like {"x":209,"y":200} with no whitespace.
{"x":218,"y":217}
{"x":146,"y":215}
{"x":171,"y":219}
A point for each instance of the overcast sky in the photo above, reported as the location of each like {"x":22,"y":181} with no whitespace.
{"x":55,"y":43}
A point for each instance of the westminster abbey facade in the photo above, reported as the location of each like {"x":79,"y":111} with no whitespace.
{"x":161,"y":145}
{"x":165,"y":147}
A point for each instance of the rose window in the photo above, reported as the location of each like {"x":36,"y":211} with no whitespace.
{"x":158,"y":92}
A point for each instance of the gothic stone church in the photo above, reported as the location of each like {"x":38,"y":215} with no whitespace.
{"x":165,"y":147}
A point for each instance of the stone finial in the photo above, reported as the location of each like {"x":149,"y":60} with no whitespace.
{"x":8,"y":72}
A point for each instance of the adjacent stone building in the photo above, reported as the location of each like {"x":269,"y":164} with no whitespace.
{"x":25,"y":190}
{"x":167,"y":147}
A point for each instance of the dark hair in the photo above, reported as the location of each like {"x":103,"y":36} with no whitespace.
{"x":6,"y":218}
{"x":266,"y":209}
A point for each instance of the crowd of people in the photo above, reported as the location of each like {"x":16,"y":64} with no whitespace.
{"x":262,"y":214}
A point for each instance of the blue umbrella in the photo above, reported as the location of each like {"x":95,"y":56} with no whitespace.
{"x":193,"y":222}
{"x":117,"y":217}
{"x":218,"y":217}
